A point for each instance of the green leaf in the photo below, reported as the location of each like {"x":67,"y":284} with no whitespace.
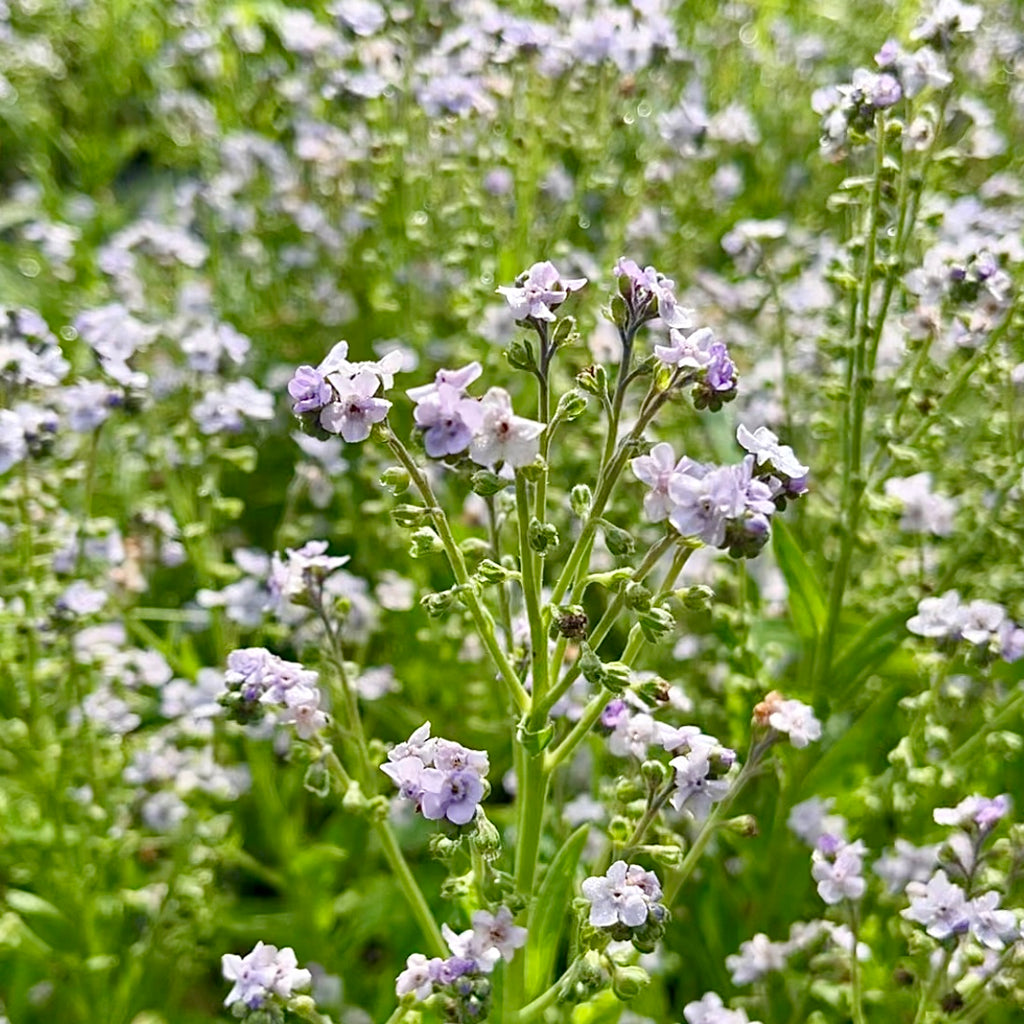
{"x":867,"y":651}
{"x":806,"y":600}
{"x":550,"y":915}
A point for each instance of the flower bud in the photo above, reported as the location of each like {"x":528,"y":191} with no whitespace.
{"x":485,"y":483}
{"x":617,"y":676}
{"x":520,"y":355}
{"x":486,"y":838}
{"x":619,"y":830}
{"x":697,"y":598}
{"x":438,"y":604}
{"x":627,"y":790}
{"x":475,"y":547}
{"x":655,"y":623}
{"x":619,"y":541}
{"x":571,"y":622}
{"x":564,"y":333}
{"x":593,"y":380}
{"x":441,"y":847}
{"x":638,"y":597}
{"x":317,"y":779}
{"x":743,"y":825}
{"x":571,"y":406}
{"x":653,"y":691}
{"x":629,"y":981}
{"x":618,"y":310}
{"x":395,"y":479}
{"x":354,"y":801}
{"x":410,"y":516}
{"x":303,"y":1006}
{"x":455,"y":887}
{"x":541,"y":536}
{"x":489,"y":571}
{"x":425,"y":542}
{"x":667,"y":856}
{"x":655,"y":772}
{"x":590,"y":665}
{"x":580,"y":500}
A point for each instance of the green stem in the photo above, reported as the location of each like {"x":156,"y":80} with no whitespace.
{"x":859,"y":386}
{"x":531,"y":597}
{"x":856,"y":993}
{"x":547,"y":998}
{"x":482,"y":619}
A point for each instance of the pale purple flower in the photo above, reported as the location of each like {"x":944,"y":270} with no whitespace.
{"x":691,"y":351}
{"x":13,"y":447}
{"x":974,"y":811}
{"x":356,"y":410}
{"x":407,"y":774}
{"x":226,"y":410}
{"x":765,"y":447}
{"x":938,"y":617}
{"x":939,"y":905}
{"x":87,"y":404}
{"x":264,"y":972}
{"x":419,"y":744}
{"x":454,"y":757}
{"x":452,"y":795}
{"x":208,"y":343}
{"x":471,"y":952}
{"x":991,"y":926}
{"x":503,"y":436}
{"x":923,"y":510}
{"x":624,"y":894}
{"x":838,"y":871}
{"x":704,"y":499}
{"x":711,"y":1010}
{"x":697,"y":790}
{"x":81,"y":599}
{"x":756,"y":958}
{"x":813,"y":818}
{"x":797,"y":720}
{"x":907,"y":863}
{"x":301,"y":569}
{"x":649,"y":294}
{"x":448,"y":420}
{"x":538,"y":291}
{"x":363,"y":17}
{"x":459,"y":379}
{"x":308,"y":390}
{"x":980,"y":621}
{"x":418,"y":977}
{"x":498,"y":931}
{"x":656,"y":470}
{"x":302,"y":709}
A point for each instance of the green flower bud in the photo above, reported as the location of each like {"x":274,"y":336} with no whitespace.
{"x":593,"y":380}
{"x":667,"y":856}
{"x":571,"y":406}
{"x":455,"y":887}
{"x":486,"y":838}
{"x":619,"y":541}
{"x":520,"y":355}
{"x":618,"y":309}
{"x":317,"y":779}
{"x":354,"y":801}
{"x":395,"y":479}
{"x":534,"y":471}
{"x":474,"y":547}
{"x":697,"y":598}
{"x":590,"y":665}
{"x":629,"y":981}
{"x":638,"y":597}
{"x":489,"y":571}
{"x":542,"y":536}
{"x":486,"y":483}
{"x":653,"y":691}
{"x":655,"y":772}
{"x":440,"y":603}
{"x":627,"y":790}
{"x":619,"y":830}
{"x":580,"y":500}
{"x":655,"y":623}
{"x":425,"y":542}
{"x":442,"y":847}
{"x":410,"y":516}
{"x":565,"y":333}
{"x":617,"y":676}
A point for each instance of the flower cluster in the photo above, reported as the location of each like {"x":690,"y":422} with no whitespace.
{"x":984,"y":624}
{"x":942,"y":908}
{"x":702,"y":359}
{"x":625,"y":902}
{"x":539,"y":291}
{"x":444,"y":779}
{"x":257,"y":680}
{"x":339,"y":396}
{"x":711,"y":1010}
{"x":648,"y":295}
{"x":463,"y":975}
{"x":453,"y":422}
{"x":728,"y":507}
{"x":264,"y":976}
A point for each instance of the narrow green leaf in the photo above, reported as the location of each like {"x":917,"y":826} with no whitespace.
{"x":806,"y":600}
{"x":552,"y":912}
{"x":867,"y":651}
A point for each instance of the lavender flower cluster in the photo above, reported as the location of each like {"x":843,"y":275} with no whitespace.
{"x":728,"y":507}
{"x":445,"y":780}
{"x":985,"y":625}
{"x":257,"y":681}
{"x":462,"y":978}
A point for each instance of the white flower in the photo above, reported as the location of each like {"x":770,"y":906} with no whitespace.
{"x":796,"y":720}
{"x":503,"y":436}
{"x":417,"y":978}
{"x":264,"y":972}
{"x":356,"y":410}
{"x":756,"y":958}
{"x":765,"y":448}
{"x":626,"y":894}
{"x":938,"y":617}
